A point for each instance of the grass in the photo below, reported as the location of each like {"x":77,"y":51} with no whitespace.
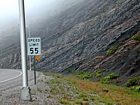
{"x":111,"y":50}
{"x":116,"y":94}
{"x":64,"y":101}
{"x":87,"y":91}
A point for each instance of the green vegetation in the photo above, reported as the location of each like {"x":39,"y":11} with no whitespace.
{"x":40,"y":90}
{"x":117,"y":81}
{"x":136,"y":88}
{"x":83,"y":75}
{"x":69,"y":70}
{"x":41,"y":80}
{"x":76,"y":91}
{"x":33,"y":93}
{"x":99,"y":73}
{"x":136,"y":37}
{"x":132,"y":81}
{"x":106,"y":79}
{"x":79,"y":101}
{"x":28,"y":67}
{"x":54,"y":81}
{"x":112,"y":50}
{"x":64,"y":101}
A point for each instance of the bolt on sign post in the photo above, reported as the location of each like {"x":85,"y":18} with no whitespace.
{"x":34,"y":49}
{"x":25,"y":91}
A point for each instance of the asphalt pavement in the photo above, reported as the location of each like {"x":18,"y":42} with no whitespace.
{"x":10,"y":78}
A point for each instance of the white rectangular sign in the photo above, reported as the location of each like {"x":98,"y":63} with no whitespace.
{"x":34,"y":46}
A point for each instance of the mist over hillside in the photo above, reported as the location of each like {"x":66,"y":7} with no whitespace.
{"x":34,"y":17}
{"x":78,"y":37}
{"x":42,"y":10}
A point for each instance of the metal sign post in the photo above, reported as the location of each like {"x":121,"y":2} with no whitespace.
{"x":25,"y":91}
{"x":34,"y":70}
{"x":34,"y":49}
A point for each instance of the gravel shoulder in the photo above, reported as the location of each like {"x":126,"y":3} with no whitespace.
{"x":11,"y":96}
{"x":49,"y":90}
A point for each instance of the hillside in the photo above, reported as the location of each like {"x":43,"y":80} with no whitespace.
{"x":79,"y":37}
{"x":56,"y":89}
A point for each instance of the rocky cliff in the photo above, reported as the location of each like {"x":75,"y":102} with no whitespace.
{"x":78,"y":38}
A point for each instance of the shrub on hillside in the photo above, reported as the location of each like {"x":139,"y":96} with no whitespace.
{"x":106,"y":79}
{"x":136,"y":37}
{"x":83,"y":75}
{"x":136,"y":88}
{"x":111,"y":50}
{"x":99,"y":73}
{"x":132,"y":81}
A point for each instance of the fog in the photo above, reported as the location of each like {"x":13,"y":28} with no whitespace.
{"x":9,"y":10}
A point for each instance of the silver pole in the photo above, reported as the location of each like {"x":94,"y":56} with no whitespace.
{"x":29,"y":36}
{"x":23,"y":43}
{"x":25,"y":91}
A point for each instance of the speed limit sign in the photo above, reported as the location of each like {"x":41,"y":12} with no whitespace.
{"x":34,"y":46}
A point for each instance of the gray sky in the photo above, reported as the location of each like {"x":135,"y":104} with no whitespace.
{"x":9,"y":10}
{"x":10,"y":7}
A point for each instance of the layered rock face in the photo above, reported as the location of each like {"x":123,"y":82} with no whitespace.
{"x":79,"y":34}
{"x":98,"y":26}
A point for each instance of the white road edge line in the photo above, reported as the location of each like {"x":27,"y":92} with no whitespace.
{"x":13,"y":77}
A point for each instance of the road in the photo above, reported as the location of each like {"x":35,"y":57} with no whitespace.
{"x":10,"y":78}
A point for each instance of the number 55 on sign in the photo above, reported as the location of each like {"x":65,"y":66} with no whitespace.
{"x":34,"y":46}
